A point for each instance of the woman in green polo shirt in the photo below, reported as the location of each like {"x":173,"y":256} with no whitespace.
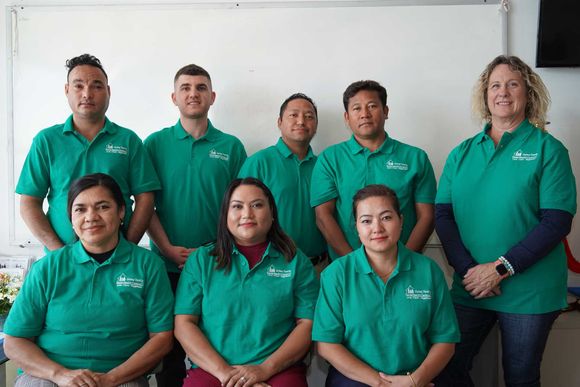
{"x":384,"y":316}
{"x":244,"y":305}
{"x":506,"y":199}
{"x":95,"y":313}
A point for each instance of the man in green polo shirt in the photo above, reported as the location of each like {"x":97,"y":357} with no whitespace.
{"x":195,"y":163}
{"x":286,"y":168}
{"x":86,"y":143}
{"x":371,"y":157}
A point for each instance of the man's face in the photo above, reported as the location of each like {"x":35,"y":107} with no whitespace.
{"x":366,"y":115}
{"x":298,"y":122}
{"x":88,"y":92}
{"x":193,"y":96}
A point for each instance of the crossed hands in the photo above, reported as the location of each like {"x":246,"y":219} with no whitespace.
{"x":396,"y":381}
{"x":246,"y":376}
{"x":482,"y":281}
{"x":82,"y":378}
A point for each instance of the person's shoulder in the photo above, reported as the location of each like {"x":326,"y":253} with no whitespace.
{"x":55,"y":258}
{"x":334,"y":153}
{"x":339,"y":267}
{"x":51,"y":131}
{"x":227,"y":137}
{"x":413,"y":149}
{"x":159,"y":135}
{"x":549,"y":140}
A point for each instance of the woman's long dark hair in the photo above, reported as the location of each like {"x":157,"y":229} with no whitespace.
{"x":225,"y":241}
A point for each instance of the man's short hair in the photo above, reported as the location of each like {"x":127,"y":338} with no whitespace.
{"x":297,"y":96}
{"x":193,"y":70}
{"x":85,"y":59}
{"x":355,"y":87}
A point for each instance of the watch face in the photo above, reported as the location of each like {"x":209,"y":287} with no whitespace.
{"x":501,"y":269}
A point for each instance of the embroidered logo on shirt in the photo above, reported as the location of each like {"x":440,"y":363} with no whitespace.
{"x":416,"y":294}
{"x":278,"y":273}
{"x":399,"y":166}
{"x":126,"y":282}
{"x":218,"y":155}
{"x":521,"y":156}
{"x":118,"y":149}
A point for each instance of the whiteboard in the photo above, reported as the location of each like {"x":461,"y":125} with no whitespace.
{"x":428,"y":58}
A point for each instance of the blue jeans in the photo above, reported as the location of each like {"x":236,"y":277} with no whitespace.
{"x":523,"y":338}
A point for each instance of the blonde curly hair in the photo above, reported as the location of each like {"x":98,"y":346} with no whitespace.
{"x":538,"y":96}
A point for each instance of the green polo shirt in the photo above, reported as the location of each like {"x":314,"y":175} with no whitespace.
{"x":90,"y":315}
{"x":59,"y":155}
{"x":497,"y":194}
{"x":289,"y":180}
{"x":344,"y":168}
{"x":194,"y":175}
{"x":394,"y":327}
{"x":247,"y":314}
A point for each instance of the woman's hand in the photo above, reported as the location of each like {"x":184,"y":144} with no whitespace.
{"x":247,"y":376}
{"x":399,"y":381}
{"x":77,"y":378}
{"x":482,"y":281}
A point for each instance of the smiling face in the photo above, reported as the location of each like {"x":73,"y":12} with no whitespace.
{"x":193,"y":96}
{"x":506,"y":95}
{"x":87,"y":92}
{"x":378,"y":225}
{"x":96,"y":219}
{"x":298,"y":122}
{"x":249,"y":215}
{"x":366,"y":115}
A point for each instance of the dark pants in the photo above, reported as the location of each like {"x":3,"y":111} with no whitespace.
{"x":336,"y":379}
{"x":173,"y":371}
{"x":523,"y":338}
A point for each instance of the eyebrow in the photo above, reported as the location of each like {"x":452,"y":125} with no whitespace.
{"x":96,"y":204}
{"x":382,"y":213}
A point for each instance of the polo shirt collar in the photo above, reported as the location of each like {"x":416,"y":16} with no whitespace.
{"x":386,"y":147}
{"x":363,"y":266}
{"x":523,"y":129}
{"x":68,"y":126}
{"x":121,"y":254}
{"x":286,"y":152}
{"x":180,"y":133}
{"x":270,"y":251}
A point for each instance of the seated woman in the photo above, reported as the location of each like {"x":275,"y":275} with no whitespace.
{"x":244,"y":305}
{"x":94,"y":313}
{"x":384,"y":316}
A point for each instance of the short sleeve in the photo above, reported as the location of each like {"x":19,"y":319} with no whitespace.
{"x":425,"y":184}
{"x":305,"y":288}
{"x":444,"y":194}
{"x":143,"y":177}
{"x":159,"y":297}
{"x":557,"y":182}
{"x":443,"y":327}
{"x":189,"y":294}
{"x":35,"y":175}
{"x":323,"y":182}
{"x":27,"y":315}
{"x":250,"y":168}
{"x":328,"y":320}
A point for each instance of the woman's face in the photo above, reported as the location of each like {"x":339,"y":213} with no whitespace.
{"x":96,"y":219}
{"x":506,"y":94}
{"x":378,"y":224}
{"x":249,"y":215}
